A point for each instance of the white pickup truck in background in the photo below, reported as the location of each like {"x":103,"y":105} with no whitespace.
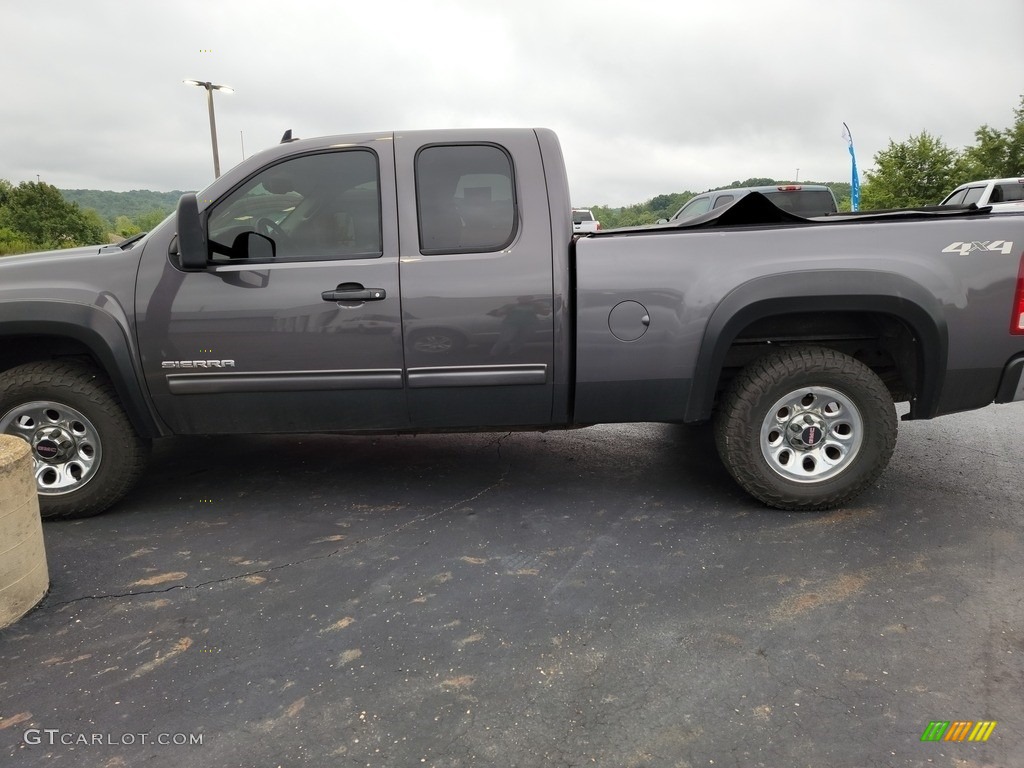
{"x":583,"y":221}
{"x":1001,"y":194}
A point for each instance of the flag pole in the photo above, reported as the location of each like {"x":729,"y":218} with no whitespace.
{"x":854,"y":178}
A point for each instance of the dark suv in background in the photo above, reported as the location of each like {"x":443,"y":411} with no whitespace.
{"x":801,"y":199}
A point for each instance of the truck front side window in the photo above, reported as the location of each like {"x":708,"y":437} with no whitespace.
{"x":957,"y":198}
{"x":314,"y":207}
{"x":973,"y":195}
{"x":695,"y":207}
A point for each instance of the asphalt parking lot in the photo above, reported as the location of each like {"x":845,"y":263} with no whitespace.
{"x":601,"y":597}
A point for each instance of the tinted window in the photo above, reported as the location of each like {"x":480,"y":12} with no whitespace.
{"x":722,"y":200}
{"x":1006,"y":193}
{"x":804,"y":202}
{"x":695,"y":207}
{"x":465,"y":198}
{"x":957,"y":198}
{"x":322,"y":206}
{"x":578,"y":217}
{"x":973,"y":195}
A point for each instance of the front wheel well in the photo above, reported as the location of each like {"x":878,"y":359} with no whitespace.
{"x":18,"y":350}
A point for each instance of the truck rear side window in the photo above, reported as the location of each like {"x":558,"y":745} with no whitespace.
{"x":465,"y":198}
{"x":1007,"y":193}
{"x":314,"y":207}
{"x":695,"y":207}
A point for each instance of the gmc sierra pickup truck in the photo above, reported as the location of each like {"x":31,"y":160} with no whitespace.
{"x":430,"y":280}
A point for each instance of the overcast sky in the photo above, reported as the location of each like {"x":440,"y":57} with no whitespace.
{"x":647,"y":97}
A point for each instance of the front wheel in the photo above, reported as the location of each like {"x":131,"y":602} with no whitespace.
{"x":86,"y":454}
{"x":806,"y":428}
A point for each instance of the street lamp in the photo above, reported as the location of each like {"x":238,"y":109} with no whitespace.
{"x":210,"y":88}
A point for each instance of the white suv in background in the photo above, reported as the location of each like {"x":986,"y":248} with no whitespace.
{"x":1001,"y":194}
{"x":583,"y":221}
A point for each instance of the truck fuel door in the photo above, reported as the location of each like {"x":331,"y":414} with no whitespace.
{"x":628,"y":320}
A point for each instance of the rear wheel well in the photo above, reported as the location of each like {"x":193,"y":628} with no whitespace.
{"x":883,"y":342}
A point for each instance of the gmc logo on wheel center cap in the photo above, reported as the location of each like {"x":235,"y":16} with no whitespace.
{"x":811,"y":436}
{"x":46,"y":449}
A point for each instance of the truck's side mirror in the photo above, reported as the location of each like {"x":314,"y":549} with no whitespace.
{"x":191,"y":237}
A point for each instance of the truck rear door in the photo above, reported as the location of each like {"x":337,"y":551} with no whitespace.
{"x":476,"y":275}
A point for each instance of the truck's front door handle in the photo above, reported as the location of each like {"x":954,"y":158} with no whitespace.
{"x":354,"y":292}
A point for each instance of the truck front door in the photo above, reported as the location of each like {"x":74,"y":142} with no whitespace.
{"x":300,"y":333}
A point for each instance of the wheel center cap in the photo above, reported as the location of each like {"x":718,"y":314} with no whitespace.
{"x":53,"y":445}
{"x":806,"y":431}
{"x":811,"y":435}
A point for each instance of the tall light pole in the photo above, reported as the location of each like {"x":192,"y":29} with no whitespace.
{"x":210,"y":88}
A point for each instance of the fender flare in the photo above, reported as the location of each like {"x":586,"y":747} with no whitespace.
{"x":101,"y":334}
{"x":825,"y":291}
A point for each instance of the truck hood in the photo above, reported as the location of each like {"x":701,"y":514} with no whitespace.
{"x":72,"y":274}
{"x":68,"y":253}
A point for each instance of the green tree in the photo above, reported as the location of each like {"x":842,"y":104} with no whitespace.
{"x":125,"y":227}
{"x":12,"y":242}
{"x":918,"y":171}
{"x":95,"y":224}
{"x":38,"y":213}
{"x":147,"y":221}
{"x":996,"y":154}
{"x":758,"y":181}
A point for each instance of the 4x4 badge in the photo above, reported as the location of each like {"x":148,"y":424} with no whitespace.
{"x":999,"y":246}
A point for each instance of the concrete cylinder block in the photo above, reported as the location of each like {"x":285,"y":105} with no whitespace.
{"x":24,"y":577}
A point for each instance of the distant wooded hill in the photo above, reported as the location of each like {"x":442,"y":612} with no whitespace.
{"x":132,"y":204}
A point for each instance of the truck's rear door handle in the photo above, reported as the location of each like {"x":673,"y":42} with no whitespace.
{"x":354,"y":292}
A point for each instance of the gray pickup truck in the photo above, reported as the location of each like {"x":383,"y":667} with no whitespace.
{"x":419,"y":281}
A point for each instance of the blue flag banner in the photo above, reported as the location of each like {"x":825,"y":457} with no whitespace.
{"x":854,"y":178}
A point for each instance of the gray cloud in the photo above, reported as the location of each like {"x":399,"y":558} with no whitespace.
{"x":647,"y":97}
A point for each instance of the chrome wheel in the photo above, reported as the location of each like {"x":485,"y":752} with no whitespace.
{"x":811,"y":434}
{"x":66,"y":447}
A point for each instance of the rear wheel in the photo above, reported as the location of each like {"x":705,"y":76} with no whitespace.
{"x":806,"y":428}
{"x":85,"y":452}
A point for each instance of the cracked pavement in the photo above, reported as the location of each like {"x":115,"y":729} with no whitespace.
{"x":599,"y":597}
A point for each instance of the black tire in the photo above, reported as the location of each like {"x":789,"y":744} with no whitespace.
{"x":87,"y":454}
{"x":806,"y":429}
